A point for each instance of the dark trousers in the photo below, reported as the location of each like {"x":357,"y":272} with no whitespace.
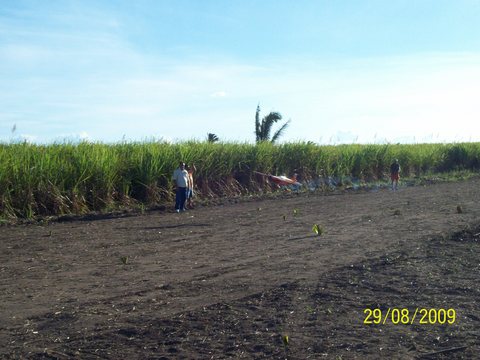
{"x":180,"y":198}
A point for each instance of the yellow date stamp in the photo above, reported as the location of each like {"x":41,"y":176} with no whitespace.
{"x":404,"y":316}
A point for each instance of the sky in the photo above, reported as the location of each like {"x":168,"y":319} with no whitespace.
{"x":343,"y":71}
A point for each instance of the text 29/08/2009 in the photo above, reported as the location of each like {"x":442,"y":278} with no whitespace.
{"x":404,"y":316}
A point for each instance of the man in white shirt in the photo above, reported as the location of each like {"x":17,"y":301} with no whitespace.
{"x":180,"y":177}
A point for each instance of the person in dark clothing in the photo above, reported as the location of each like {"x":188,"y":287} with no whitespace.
{"x":395,"y":174}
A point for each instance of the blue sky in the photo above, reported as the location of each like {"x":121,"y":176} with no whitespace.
{"x":342,"y":71}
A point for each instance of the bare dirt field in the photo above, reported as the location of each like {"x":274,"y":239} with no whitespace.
{"x":233,"y":280}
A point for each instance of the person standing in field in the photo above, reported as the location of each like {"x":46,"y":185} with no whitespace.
{"x":180,"y":178}
{"x":395,"y":174}
{"x":190,"y":170}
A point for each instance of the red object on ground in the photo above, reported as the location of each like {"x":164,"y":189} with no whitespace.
{"x":281,"y":180}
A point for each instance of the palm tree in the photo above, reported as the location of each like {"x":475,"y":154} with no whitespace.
{"x":264,"y":127}
{"x":212,"y":138}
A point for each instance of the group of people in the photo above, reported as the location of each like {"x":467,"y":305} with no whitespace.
{"x":183,"y":180}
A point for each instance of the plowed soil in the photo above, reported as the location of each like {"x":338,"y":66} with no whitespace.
{"x":233,"y":280}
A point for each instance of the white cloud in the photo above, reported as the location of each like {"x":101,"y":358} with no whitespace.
{"x":218,"y":94}
{"x":73,"y":137}
{"x":83,"y":135}
{"x":387,"y":98}
{"x":28,"y":138}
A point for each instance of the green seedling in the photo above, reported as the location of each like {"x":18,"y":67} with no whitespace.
{"x":318,"y":229}
{"x":285,"y":340}
{"x":124,"y":260}
{"x":295,"y":212}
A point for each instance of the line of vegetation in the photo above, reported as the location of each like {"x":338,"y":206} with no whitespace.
{"x":79,"y":178}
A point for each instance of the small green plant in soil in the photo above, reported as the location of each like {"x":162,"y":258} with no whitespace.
{"x":318,"y":230}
